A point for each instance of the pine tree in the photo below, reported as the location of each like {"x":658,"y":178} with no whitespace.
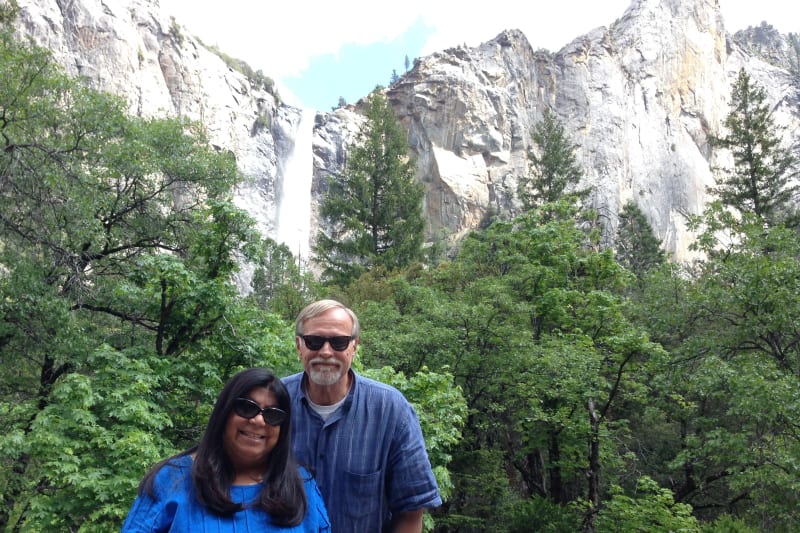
{"x":760,"y":181}
{"x":637,"y":248}
{"x":553,"y":166}
{"x":794,"y":54}
{"x":373,"y":210}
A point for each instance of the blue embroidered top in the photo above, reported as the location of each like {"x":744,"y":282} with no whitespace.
{"x":368,"y":458}
{"x":175,"y":508}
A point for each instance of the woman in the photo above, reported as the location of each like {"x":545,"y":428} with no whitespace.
{"x":242,"y":475}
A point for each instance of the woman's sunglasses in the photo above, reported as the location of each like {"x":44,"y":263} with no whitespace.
{"x":316,"y":342}
{"x":247,"y":408}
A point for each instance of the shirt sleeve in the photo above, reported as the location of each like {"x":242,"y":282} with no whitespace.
{"x":412,"y":483}
{"x":151,"y":514}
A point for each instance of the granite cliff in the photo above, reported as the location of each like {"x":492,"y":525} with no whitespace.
{"x":639,"y":98}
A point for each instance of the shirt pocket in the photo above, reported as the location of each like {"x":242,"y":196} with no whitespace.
{"x":363,"y":493}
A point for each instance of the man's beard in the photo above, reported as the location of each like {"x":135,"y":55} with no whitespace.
{"x":327,"y":376}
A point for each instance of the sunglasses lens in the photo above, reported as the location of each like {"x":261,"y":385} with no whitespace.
{"x":245,"y":408}
{"x":249,"y":409}
{"x":313,"y":342}
{"x":339,"y":343}
{"x":274,"y":416}
{"x":316,"y":342}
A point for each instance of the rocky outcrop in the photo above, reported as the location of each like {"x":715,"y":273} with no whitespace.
{"x":130,"y":48}
{"x":767,"y":43}
{"x":639,"y":98}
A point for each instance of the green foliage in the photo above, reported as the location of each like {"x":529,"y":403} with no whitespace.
{"x":727,"y":524}
{"x":540,"y":515}
{"x":374,"y":210}
{"x":119,"y":318}
{"x":761,"y":179}
{"x":553,"y":166}
{"x":9,"y":10}
{"x":280,"y":284}
{"x":651,"y":509}
{"x":637,"y":248}
{"x":794,"y":54}
{"x":175,"y":30}
{"x":92,"y":443}
{"x":731,"y":325}
{"x":527,"y":320}
{"x":257,"y":78}
{"x":481,"y":492}
{"x":551,"y":396}
{"x":442,"y":413}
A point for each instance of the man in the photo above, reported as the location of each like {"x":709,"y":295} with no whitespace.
{"x":361,"y":438}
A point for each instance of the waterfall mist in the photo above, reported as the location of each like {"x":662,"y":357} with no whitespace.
{"x":294,"y":205}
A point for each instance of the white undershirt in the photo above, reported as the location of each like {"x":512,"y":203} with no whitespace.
{"x":325,"y":411}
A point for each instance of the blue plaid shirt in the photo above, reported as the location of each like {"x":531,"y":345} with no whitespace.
{"x":368,"y":458}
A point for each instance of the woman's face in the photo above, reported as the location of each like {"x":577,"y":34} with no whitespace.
{"x":248,"y":442}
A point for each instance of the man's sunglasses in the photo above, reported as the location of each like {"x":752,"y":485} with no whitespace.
{"x":316,"y":342}
{"x":247,"y":408}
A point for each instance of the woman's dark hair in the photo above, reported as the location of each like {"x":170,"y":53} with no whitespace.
{"x":283,"y":495}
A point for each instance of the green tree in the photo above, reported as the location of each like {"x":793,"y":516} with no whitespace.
{"x":637,"y":248}
{"x":761,"y":178}
{"x":553,"y":166}
{"x":119,"y":319}
{"x":442,"y":412}
{"x":373,"y":211}
{"x":526,"y":319}
{"x":746,"y":303}
{"x":729,"y":323}
{"x":794,"y":54}
{"x":280,"y":284}
{"x":652,"y":509}
{"x":9,"y":9}
{"x":119,"y":315}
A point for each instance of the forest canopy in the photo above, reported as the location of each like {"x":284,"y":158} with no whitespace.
{"x":562,"y":383}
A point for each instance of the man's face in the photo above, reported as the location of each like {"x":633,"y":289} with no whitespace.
{"x":327,"y":366}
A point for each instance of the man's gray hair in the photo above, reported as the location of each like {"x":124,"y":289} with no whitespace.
{"x":317,"y":308}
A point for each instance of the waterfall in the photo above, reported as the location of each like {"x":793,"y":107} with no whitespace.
{"x":294,"y":205}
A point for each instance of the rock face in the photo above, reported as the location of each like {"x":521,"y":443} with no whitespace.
{"x":130,"y":48}
{"x":639,"y":99}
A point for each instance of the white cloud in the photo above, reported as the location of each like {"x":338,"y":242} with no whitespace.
{"x":550,"y":25}
{"x":280,"y":37}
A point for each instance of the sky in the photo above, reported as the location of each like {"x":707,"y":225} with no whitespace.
{"x":320,"y":51}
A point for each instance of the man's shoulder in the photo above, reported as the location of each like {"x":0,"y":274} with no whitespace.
{"x":292,"y":382}
{"x":372,"y":387}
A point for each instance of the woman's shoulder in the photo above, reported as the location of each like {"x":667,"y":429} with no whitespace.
{"x":179,"y":462}
{"x":305,"y":474}
{"x":174,"y":470}
{"x":308,"y":480}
